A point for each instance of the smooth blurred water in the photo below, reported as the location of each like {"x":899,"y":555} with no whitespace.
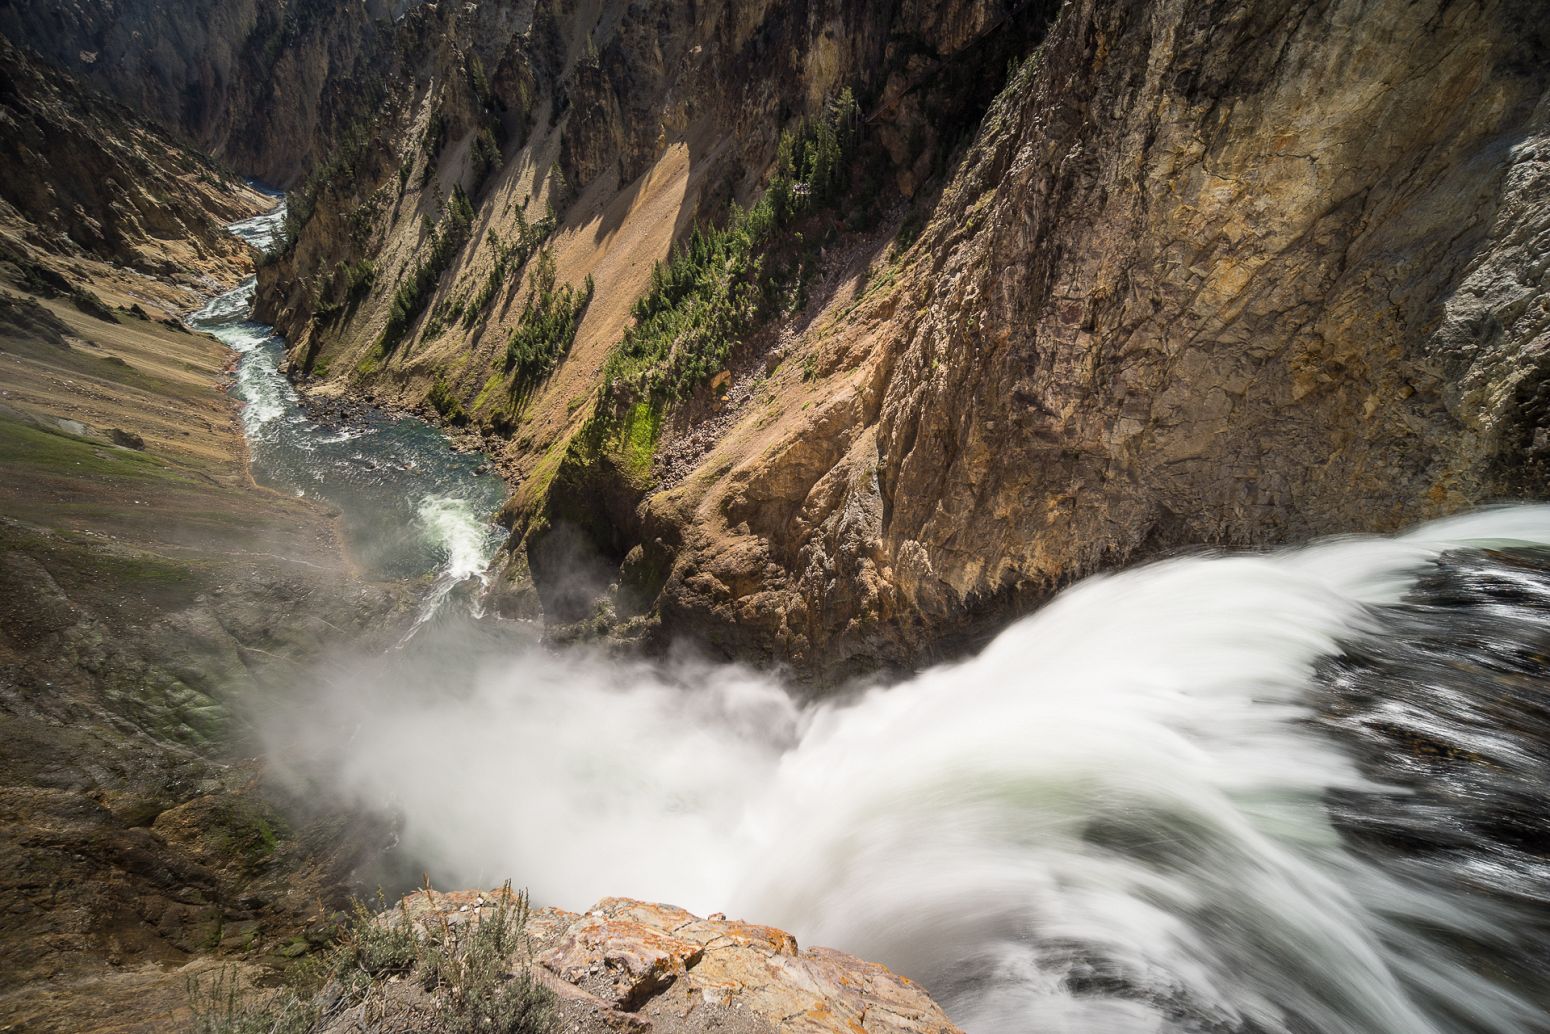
{"x":1297,"y":793}
{"x":409,"y":504}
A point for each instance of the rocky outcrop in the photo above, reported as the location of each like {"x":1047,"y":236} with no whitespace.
{"x":1207,"y":274}
{"x":257,"y":83}
{"x":637,"y":967}
{"x":1210,"y":275}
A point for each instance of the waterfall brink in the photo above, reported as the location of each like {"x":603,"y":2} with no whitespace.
{"x":1139,"y":809}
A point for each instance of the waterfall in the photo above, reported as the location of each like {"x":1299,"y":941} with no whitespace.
{"x":1148,"y":806}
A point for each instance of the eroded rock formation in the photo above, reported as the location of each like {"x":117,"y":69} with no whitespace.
{"x":83,"y":178}
{"x":256,"y":82}
{"x":1207,"y":274}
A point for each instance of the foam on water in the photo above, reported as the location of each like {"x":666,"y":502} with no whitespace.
{"x":409,"y":505}
{"x":262,"y":231}
{"x":1112,"y":820}
{"x":460,"y":533}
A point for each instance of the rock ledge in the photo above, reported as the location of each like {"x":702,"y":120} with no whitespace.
{"x":627,"y":965}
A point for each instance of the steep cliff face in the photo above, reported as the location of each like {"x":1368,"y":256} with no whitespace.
{"x":254,"y":82}
{"x":1211,"y":274}
{"x":478,"y":247}
{"x":82,"y":178}
{"x":603,"y":109}
{"x":1208,"y":274}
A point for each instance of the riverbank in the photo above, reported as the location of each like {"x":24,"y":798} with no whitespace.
{"x":152,"y":598}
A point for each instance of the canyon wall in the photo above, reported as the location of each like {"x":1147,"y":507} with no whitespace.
{"x":1211,"y":274}
{"x":258,"y":83}
{"x":151,"y":595}
{"x":83,"y":180}
{"x":1201,"y":274}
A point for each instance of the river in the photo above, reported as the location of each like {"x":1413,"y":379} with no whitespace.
{"x":409,"y":505}
{"x":1292,"y":793}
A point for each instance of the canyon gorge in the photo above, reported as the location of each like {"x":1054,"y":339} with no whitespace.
{"x":1044,"y":498}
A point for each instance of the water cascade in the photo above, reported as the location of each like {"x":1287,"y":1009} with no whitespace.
{"x":1150,"y":806}
{"x":1262,"y":794}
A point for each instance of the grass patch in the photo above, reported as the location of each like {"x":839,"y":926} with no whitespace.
{"x":35,"y":449}
{"x":446,"y":403}
{"x":87,"y":568}
{"x":637,"y":439}
{"x":492,"y":390}
{"x":243,"y":828}
{"x":221,"y":1004}
{"x":538,"y":482}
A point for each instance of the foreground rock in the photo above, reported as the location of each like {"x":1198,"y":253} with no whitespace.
{"x":628,"y":965}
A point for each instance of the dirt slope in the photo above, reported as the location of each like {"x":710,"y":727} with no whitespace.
{"x":150,"y":592}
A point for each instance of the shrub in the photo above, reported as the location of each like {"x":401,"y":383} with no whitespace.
{"x":446,"y":403}
{"x":546,"y":329}
{"x":222,"y":1005}
{"x":715,"y":287}
{"x":415,"y":289}
{"x":485,"y":156}
{"x":468,"y":965}
{"x":508,"y":257}
{"x":481,"y":987}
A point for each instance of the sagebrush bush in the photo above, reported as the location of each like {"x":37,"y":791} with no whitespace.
{"x":473,"y":969}
{"x":221,"y":1004}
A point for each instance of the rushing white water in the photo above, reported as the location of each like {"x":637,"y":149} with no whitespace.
{"x":262,"y":231}
{"x":466,"y":540}
{"x":266,"y":395}
{"x":1114,"y":819}
{"x":409,"y":505}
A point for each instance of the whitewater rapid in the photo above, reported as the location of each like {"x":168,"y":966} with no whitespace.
{"x":1116,"y":818}
{"x":409,"y":505}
